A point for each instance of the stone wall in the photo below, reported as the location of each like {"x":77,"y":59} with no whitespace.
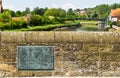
{"x":76,"y":53}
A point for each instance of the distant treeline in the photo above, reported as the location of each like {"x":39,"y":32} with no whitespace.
{"x":101,"y":11}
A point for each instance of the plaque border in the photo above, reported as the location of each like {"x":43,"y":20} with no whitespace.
{"x":36,"y":69}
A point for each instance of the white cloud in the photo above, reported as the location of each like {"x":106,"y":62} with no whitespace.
{"x":54,"y":5}
{"x":69,"y":5}
{"x":8,"y":7}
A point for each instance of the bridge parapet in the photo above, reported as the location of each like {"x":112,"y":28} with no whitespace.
{"x":87,"y":54}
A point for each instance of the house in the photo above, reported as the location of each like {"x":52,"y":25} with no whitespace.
{"x":1,"y":7}
{"x":25,"y":18}
{"x":83,"y":12}
{"x":80,"y":12}
{"x":114,"y":15}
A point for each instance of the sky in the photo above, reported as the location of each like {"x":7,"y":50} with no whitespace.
{"x":65,"y":4}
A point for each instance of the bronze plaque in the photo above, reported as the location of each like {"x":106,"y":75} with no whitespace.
{"x":35,"y":58}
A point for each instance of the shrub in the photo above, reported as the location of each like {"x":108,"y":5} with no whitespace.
{"x":36,"y":20}
{"x":17,"y":24}
{"x":118,"y":24}
{"x":13,"y":24}
{"x":3,"y":26}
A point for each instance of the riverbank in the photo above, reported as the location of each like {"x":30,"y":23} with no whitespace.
{"x":90,"y":28}
{"x":67,"y":26}
{"x":47,"y":27}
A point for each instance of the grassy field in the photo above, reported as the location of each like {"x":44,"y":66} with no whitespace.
{"x":90,"y":27}
{"x":46,"y":27}
{"x":86,"y":27}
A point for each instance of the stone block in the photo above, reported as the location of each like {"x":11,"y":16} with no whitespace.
{"x":41,"y":74}
{"x":8,"y":67}
{"x":33,"y":73}
{"x":63,"y":37}
{"x":91,"y":37}
{"x":76,"y":47}
{"x":96,"y":48}
{"x":69,"y":56}
{"x":109,"y":66}
{"x":76,"y":73}
{"x":116,"y":48}
{"x":110,"y":56}
{"x":13,"y":37}
{"x":58,"y":58}
{"x":78,"y":37}
{"x":88,"y":65}
{"x":109,"y":74}
{"x":66,"y":47}
{"x":87,"y":56}
{"x":110,"y":37}
{"x":91,"y":73}
{"x":8,"y":49}
{"x":22,"y":74}
{"x":70,"y":66}
{"x":8,"y":58}
{"x":58,"y":48}
{"x":0,"y":38}
{"x":58,"y":66}
{"x":58,"y":74}
{"x":39,"y":37}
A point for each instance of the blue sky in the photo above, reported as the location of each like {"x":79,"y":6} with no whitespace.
{"x":65,"y":4}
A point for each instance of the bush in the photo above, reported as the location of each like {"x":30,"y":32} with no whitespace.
{"x":36,"y":20}
{"x":13,"y":24}
{"x":3,"y":26}
{"x":114,"y":23}
{"x":17,"y":24}
{"x":111,"y":23}
{"x":118,"y":24}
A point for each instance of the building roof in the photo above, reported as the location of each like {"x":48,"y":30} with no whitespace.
{"x":18,"y":18}
{"x":115,"y":12}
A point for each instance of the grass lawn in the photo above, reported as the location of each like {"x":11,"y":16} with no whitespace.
{"x":46,"y":27}
{"x":90,"y":27}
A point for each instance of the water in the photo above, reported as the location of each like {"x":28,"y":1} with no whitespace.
{"x":80,"y":28}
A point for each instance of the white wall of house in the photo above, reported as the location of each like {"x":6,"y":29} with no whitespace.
{"x":114,"y":19}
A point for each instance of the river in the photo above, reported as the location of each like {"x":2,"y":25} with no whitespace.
{"x":80,"y":28}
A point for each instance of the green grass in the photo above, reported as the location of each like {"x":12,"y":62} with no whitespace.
{"x":90,"y":27}
{"x":92,"y":21}
{"x":46,"y":27}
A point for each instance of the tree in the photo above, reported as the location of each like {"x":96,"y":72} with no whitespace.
{"x":62,"y":13}
{"x":94,"y":14}
{"x":12,"y":13}
{"x":39,"y":11}
{"x":27,"y":10}
{"x":36,"y":10}
{"x":52,"y":12}
{"x":102,"y":10}
{"x":114,"y":6}
{"x":56,"y":15}
{"x":89,"y":12}
{"x":5,"y":16}
{"x":36,"y":20}
{"x":70,"y":14}
{"x":18,"y":13}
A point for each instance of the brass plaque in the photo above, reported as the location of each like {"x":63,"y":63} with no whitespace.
{"x":35,"y":58}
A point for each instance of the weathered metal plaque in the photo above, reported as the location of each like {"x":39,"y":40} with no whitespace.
{"x":35,"y":58}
